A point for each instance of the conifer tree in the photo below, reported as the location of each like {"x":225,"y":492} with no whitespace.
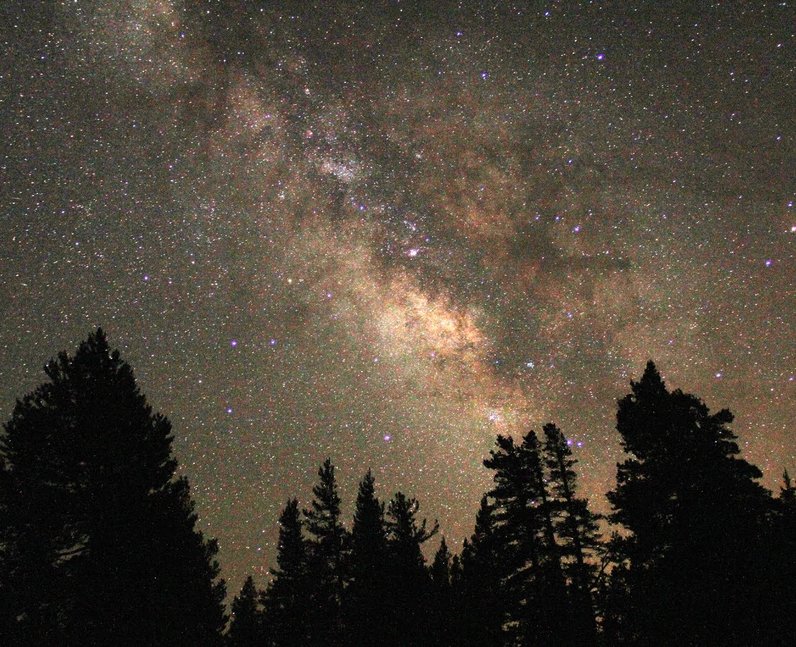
{"x":577,"y":529}
{"x":536,"y":587}
{"x":409,"y":578}
{"x":366,"y":595}
{"x":286,"y":599}
{"x":456,"y":570}
{"x":406,"y":534}
{"x":781,"y":571}
{"x":99,"y":537}
{"x":517,"y":530}
{"x":441,"y":567}
{"x":368,"y":534}
{"x":786,"y":509}
{"x":696,"y":514}
{"x":441,"y":598}
{"x":787,"y":492}
{"x":246,"y":623}
{"x":327,"y":541}
{"x":479,"y":586}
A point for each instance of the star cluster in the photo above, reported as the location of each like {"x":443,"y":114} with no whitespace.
{"x":385,"y":232}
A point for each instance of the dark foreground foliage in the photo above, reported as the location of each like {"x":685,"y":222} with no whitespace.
{"x":705,"y":555}
{"x":99,"y":546}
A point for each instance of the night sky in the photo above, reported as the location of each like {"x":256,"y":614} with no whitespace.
{"x":387,"y":231}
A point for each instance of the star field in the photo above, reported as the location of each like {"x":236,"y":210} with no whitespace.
{"x":384,"y":232}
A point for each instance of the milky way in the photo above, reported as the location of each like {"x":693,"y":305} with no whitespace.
{"x":385,"y":232}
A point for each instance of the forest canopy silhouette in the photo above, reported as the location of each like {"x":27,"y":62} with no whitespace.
{"x":99,"y":542}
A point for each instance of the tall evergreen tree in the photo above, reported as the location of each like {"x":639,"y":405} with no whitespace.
{"x":328,"y":539}
{"x":441,"y":567}
{"x":409,"y":579}
{"x":246,"y":623}
{"x":539,"y":611}
{"x":286,"y":599}
{"x":577,"y":529}
{"x":696,"y":514}
{"x":481,"y":605}
{"x":781,"y":571}
{"x":517,"y":532}
{"x":366,"y":595}
{"x":368,"y":534}
{"x":441,"y":598}
{"x":787,"y":492}
{"x":100,"y":544}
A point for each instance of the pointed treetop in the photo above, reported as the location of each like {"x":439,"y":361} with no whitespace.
{"x":367,"y":486}
{"x":484,"y":521}
{"x":96,"y":344}
{"x":441,"y":566}
{"x":291,"y":547}
{"x":368,"y":508}
{"x":787,"y":492}
{"x":245,"y":603}
{"x":323,"y":519}
{"x":403,"y":523}
{"x":443,"y":553}
{"x":368,"y":533}
{"x":248,"y":590}
{"x":651,"y":380}
{"x":244,"y":625}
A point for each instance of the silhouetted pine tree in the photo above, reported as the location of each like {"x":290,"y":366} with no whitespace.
{"x":99,"y":538}
{"x":325,"y":551}
{"x":786,"y":509}
{"x":697,"y":518}
{"x":555,"y":602}
{"x":787,"y":492}
{"x":440,"y":568}
{"x":577,"y":529}
{"x":410,"y":581}
{"x":286,"y":600}
{"x":517,"y":533}
{"x":245,"y":628}
{"x":441,"y":596}
{"x":480,"y":597}
{"x":612,"y":598}
{"x":365,"y":598}
{"x":539,"y":609}
{"x":781,"y":572}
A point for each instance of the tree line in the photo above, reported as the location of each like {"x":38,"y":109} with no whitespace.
{"x":99,"y":545}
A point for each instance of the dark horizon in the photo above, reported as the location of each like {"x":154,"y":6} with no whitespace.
{"x":99,"y":541}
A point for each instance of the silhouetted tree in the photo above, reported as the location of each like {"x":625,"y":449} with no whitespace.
{"x":440,"y":567}
{"x":787,"y":492}
{"x":697,"y":516}
{"x":286,"y":599}
{"x":441,"y":596}
{"x":409,"y":588}
{"x":365,"y":598}
{"x":781,"y":565}
{"x":246,"y":623}
{"x":577,"y":529}
{"x":99,"y":537}
{"x":325,"y":551}
{"x":539,"y":611}
{"x":480,"y":594}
